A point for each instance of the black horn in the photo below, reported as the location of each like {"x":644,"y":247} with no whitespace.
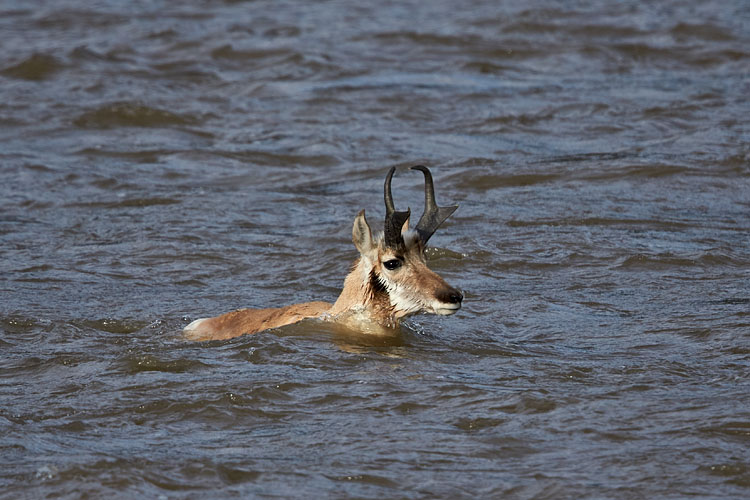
{"x":394,"y":220}
{"x":433,"y":214}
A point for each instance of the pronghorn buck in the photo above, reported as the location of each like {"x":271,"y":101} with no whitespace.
{"x":389,"y":281}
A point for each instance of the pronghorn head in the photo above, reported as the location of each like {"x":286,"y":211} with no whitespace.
{"x":393,"y":264}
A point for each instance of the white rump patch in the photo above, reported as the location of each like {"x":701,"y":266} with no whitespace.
{"x":192,"y":331}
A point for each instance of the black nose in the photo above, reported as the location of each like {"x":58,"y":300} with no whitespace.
{"x":452,"y":296}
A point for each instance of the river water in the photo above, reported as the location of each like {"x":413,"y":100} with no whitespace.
{"x":164,"y":161}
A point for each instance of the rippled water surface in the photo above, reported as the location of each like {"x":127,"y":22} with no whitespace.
{"x":164,"y":161}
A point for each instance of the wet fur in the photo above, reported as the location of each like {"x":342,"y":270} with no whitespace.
{"x":373,"y":300}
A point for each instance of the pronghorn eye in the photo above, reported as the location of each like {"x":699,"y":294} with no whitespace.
{"x":392,"y":264}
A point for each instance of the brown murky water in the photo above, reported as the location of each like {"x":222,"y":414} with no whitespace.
{"x":164,"y":161}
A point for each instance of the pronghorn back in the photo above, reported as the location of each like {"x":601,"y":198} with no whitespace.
{"x":389,"y":281}
{"x":244,"y":321}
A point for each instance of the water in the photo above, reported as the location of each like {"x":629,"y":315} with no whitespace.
{"x":163,"y":162}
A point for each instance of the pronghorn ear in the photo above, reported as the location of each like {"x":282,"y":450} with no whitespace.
{"x":405,"y":227}
{"x":362,"y":237}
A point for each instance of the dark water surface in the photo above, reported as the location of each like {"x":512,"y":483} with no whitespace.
{"x":163,"y":161}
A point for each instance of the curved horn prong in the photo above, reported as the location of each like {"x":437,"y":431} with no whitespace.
{"x":394,"y":220}
{"x":433,"y":214}
{"x":389,"y":207}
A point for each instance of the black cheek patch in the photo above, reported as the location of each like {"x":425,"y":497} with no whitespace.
{"x":376,"y":285}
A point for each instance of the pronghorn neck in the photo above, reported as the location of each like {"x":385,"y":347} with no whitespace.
{"x":364,"y":300}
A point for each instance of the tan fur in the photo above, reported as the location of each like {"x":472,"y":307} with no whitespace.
{"x":243,"y":321}
{"x":374,"y":299}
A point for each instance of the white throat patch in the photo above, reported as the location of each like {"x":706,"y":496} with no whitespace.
{"x":404,"y":300}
